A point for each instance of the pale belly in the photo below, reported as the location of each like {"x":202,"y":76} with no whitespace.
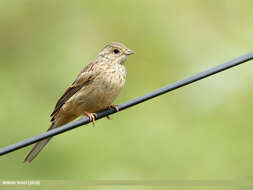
{"x":98,"y":95}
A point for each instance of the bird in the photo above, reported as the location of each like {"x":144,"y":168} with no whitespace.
{"x":94,"y":89}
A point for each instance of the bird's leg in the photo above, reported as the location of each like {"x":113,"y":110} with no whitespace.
{"x":115,"y":107}
{"x":112,"y":106}
{"x":92,"y":117}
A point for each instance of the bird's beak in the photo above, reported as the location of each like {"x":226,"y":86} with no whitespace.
{"x":129,"y":52}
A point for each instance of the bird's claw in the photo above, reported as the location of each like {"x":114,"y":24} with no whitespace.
{"x":112,"y":106}
{"x":115,"y":107}
{"x":92,"y":117}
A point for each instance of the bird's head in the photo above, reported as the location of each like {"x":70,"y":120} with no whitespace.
{"x":116,"y":52}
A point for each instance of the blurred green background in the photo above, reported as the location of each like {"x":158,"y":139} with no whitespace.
{"x":202,"y":131}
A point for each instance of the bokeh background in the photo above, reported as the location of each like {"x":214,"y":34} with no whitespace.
{"x":200,"y":132}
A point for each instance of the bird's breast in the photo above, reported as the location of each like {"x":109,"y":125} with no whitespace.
{"x":103,"y":90}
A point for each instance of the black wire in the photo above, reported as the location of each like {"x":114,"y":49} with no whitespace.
{"x":128,"y":104}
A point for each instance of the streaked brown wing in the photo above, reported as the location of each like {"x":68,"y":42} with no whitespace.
{"x":65,"y":97}
{"x":84,"y":78}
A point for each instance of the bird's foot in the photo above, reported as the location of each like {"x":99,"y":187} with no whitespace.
{"x":112,"y":106}
{"x":92,"y":117}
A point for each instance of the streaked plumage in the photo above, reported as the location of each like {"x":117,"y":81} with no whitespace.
{"x":94,"y":89}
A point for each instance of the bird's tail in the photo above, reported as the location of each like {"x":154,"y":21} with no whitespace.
{"x":38,"y":147}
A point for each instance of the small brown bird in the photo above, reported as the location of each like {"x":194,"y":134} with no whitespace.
{"x":94,"y":89}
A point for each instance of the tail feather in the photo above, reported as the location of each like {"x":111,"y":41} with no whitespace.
{"x":37,"y":148}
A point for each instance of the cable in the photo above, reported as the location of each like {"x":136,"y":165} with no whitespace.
{"x":153,"y":94}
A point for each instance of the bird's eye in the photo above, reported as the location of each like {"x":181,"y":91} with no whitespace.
{"x":116,"y":51}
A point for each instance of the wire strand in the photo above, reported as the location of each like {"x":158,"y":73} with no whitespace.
{"x":153,"y":94}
